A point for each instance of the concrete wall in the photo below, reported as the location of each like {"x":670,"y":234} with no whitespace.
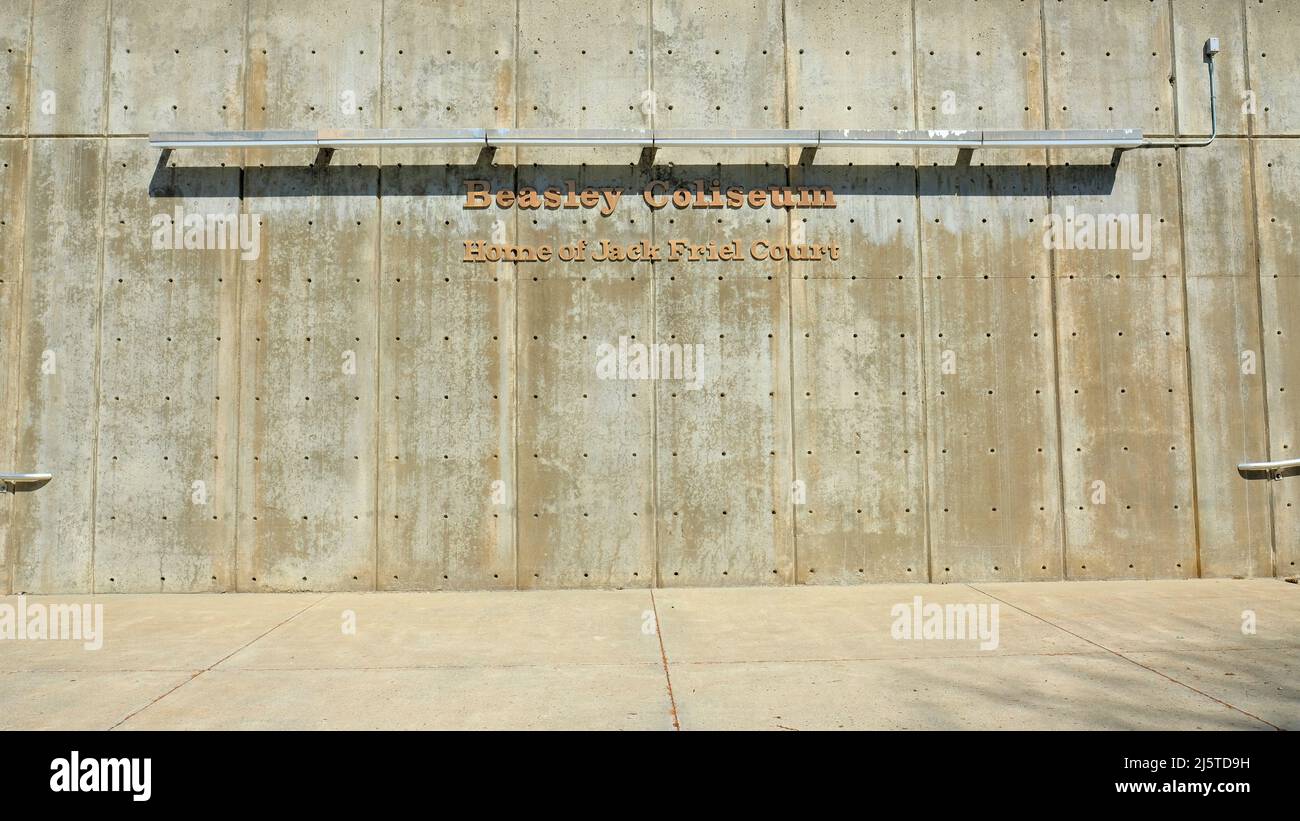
{"x":358,"y":409}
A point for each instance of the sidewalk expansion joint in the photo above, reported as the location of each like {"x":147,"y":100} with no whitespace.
{"x":1118,"y":654}
{"x":242,"y":647}
{"x":663,"y":655}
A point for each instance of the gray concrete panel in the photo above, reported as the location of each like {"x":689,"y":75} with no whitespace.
{"x":52,"y":531}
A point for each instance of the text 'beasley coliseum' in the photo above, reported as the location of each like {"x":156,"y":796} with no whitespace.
{"x":657,"y":194}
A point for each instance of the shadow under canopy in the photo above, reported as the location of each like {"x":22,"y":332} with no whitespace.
{"x":963,"y":179}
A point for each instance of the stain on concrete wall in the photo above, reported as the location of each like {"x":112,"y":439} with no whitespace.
{"x":15,"y":31}
{"x":13,"y":179}
{"x":447,"y":491}
{"x":307,"y":426}
{"x":52,"y":534}
{"x":1277,"y":181}
{"x":68,"y":61}
{"x":1224,"y":345}
{"x":168,"y":373}
{"x":326,"y":396}
{"x":1108,"y":65}
{"x":179,"y":70}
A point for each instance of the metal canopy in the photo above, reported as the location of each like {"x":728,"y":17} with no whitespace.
{"x":11,"y":482}
{"x":646,"y":138}
{"x":1274,"y":470}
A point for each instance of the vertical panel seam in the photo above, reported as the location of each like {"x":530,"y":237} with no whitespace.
{"x":27,"y":83}
{"x":237,"y":333}
{"x":108,"y":70}
{"x":15,"y":370}
{"x":1187,"y":322}
{"x":656,"y":575}
{"x":792,"y":472}
{"x":239,"y":317}
{"x":514,"y":333}
{"x":1251,"y":139}
{"x":10,"y":554}
{"x":98,"y":361}
{"x":923,"y":333}
{"x":20,"y":393}
{"x":1063,"y":538}
{"x":99,"y":291}
{"x":378,"y":335}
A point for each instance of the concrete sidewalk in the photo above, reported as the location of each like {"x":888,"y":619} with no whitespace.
{"x":1118,"y":655}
